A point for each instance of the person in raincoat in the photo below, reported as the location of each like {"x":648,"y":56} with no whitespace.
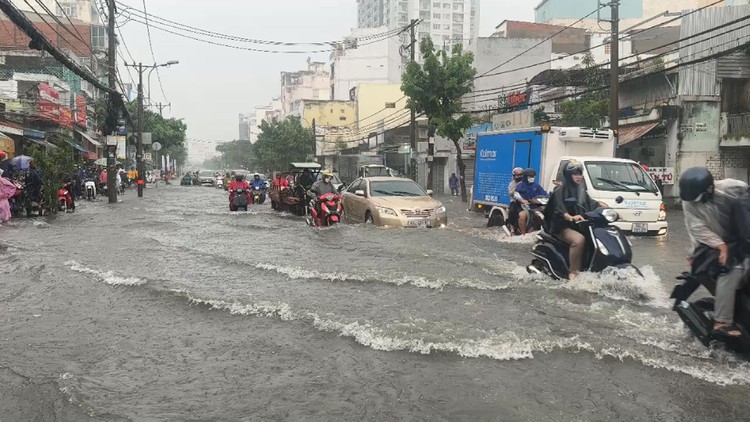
{"x":453,"y":184}
{"x":708,"y":216}
{"x":7,"y":190}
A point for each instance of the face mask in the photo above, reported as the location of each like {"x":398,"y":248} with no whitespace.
{"x":531,"y":179}
{"x":518,"y":178}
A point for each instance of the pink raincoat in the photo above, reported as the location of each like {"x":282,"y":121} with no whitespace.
{"x":7,"y":190}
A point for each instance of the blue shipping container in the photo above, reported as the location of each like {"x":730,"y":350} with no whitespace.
{"x":497,"y":155}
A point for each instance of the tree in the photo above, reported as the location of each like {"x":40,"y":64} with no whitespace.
{"x":56,"y":165}
{"x":281,"y":142}
{"x":588,"y":109}
{"x":170,"y":133}
{"x":237,"y":154}
{"x":436,"y":88}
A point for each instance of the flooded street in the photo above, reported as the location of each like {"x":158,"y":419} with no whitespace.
{"x":174,"y":308}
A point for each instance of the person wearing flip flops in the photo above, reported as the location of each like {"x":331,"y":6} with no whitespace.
{"x":708,"y":217}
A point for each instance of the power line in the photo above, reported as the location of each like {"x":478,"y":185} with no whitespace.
{"x":54,"y":29}
{"x":62,"y":9}
{"x":153,"y":56}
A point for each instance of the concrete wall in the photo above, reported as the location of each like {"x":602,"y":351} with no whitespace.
{"x":566,"y":9}
{"x":329,"y":113}
{"x":372,"y":116}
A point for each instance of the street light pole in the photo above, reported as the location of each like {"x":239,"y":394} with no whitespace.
{"x":140,"y":165}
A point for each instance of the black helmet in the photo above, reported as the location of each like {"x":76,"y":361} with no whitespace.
{"x":238,"y":177}
{"x":695,"y":184}
{"x":529,"y":172}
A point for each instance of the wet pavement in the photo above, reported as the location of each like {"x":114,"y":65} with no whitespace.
{"x":173,"y":308}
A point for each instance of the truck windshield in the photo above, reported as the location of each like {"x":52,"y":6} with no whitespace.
{"x":376,"y":172}
{"x":619,"y":176}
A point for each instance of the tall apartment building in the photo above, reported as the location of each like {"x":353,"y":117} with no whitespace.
{"x":311,"y":84}
{"x":446,"y":21}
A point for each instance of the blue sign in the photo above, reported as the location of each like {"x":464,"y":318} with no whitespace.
{"x":31,"y":133}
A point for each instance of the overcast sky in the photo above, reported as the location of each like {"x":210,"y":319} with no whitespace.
{"x":213,"y":84}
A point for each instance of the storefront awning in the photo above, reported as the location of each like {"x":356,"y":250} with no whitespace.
{"x":41,"y":142}
{"x":76,"y":146}
{"x":630,"y":133}
{"x":90,"y":139}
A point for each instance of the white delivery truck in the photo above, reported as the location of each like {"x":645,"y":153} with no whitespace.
{"x":620,"y":183}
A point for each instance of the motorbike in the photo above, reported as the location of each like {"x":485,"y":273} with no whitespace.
{"x":698,"y":314}
{"x":606,"y":247}
{"x":187,"y":180}
{"x":90,"y":187}
{"x":239,"y":198}
{"x":325,"y":210}
{"x":535,"y":212}
{"x":259,"y":195}
{"x":65,"y":200}
{"x":220,"y":183}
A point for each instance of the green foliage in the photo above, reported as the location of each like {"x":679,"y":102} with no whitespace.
{"x":436,"y":89}
{"x":234,"y":155}
{"x":589,"y":109}
{"x":170,"y":133}
{"x":283,"y":142}
{"x":56,"y":165}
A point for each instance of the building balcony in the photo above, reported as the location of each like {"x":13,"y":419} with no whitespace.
{"x":738,"y":125}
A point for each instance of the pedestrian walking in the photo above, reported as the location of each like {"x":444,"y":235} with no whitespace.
{"x":453,"y":183}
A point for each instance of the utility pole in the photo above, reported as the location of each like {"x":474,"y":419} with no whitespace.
{"x":413,"y":127}
{"x":314,"y":140}
{"x":161,"y":107}
{"x":112,"y":119}
{"x":614,"y":85}
{"x":139,"y":142}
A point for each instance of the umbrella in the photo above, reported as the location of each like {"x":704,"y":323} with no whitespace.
{"x":21,"y":162}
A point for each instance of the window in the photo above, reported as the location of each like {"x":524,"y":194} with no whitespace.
{"x":355,"y":186}
{"x":69,"y":9}
{"x":98,"y":38}
{"x":390,"y":105}
{"x":436,"y":26}
{"x":436,"y":15}
{"x":608,"y":48}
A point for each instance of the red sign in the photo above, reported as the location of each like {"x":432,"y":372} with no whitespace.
{"x":49,"y":106}
{"x":517,"y":99}
{"x":80,"y":110}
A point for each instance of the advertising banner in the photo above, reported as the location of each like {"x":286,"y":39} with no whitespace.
{"x":80,"y":110}
{"x":50,"y":108}
{"x":515,"y":120}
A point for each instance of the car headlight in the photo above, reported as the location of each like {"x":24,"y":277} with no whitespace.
{"x":610,"y":214}
{"x":387,"y":211}
{"x":440,"y":210}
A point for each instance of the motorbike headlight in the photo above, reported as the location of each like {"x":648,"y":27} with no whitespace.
{"x":610,"y":214}
{"x":440,"y":210}
{"x":387,"y":211}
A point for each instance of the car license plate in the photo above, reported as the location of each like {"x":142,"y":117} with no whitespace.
{"x":418,"y":222}
{"x":640,"y":227}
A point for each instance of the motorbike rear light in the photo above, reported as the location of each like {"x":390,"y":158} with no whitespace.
{"x":140,"y":182}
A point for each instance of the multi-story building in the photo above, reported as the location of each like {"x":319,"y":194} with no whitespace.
{"x":245,"y":126}
{"x":446,"y":21}
{"x":311,"y":84}
{"x":355,"y":62}
{"x":41,"y":100}
{"x":632,"y":12}
{"x":261,"y":114}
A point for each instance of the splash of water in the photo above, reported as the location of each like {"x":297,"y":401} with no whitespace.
{"x":108,"y":277}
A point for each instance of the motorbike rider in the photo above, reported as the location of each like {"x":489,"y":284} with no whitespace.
{"x":34,"y":183}
{"x":528,"y":189}
{"x":514,"y":208}
{"x":280,"y":182}
{"x":567,"y":206}
{"x":258,"y":183}
{"x":322,"y":187}
{"x":708,"y":217}
{"x":239,"y":182}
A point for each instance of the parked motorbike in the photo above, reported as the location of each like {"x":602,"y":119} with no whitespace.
{"x":239,"y":198}
{"x":65,"y":201}
{"x":606,"y":247}
{"x":698,"y":314}
{"x":90,"y":187}
{"x":259,"y":195}
{"x":325,"y":210}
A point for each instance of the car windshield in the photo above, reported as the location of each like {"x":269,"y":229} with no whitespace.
{"x":620,"y":176}
{"x":396,"y":188}
{"x":206,"y":173}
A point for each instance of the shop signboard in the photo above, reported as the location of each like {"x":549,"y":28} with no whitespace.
{"x":50,"y":108}
{"x":80,"y":110}
{"x":664,"y":174}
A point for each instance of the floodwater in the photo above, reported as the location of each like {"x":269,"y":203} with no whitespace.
{"x":173,"y":308}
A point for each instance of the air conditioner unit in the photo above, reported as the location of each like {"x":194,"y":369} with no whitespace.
{"x":582,"y":134}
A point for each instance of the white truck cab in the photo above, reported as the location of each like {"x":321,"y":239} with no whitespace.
{"x":624,"y":186}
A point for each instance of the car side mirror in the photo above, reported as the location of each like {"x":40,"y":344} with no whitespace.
{"x":360,"y":192}
{"x":341,"y":188}
{"x":430,"y":192}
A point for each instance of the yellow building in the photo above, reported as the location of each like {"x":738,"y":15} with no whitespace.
{"x":334,"y":120}
{"x":379,"y":107}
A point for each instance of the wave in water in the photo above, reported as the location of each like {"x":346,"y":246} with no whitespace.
{"x":108,"y":277}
